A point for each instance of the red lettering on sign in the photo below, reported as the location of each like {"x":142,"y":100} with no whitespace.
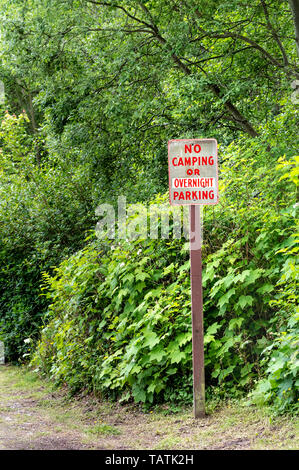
{"x":193,"y":195}
{"x":192,"y":161}
{"x":193,"y":176}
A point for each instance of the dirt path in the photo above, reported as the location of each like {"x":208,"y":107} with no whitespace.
{"x":32,"y":416}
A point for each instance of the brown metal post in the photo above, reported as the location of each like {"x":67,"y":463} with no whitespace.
{"x":197,"y":313}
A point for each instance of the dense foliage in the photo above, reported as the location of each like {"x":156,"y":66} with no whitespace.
{"x":44,"y":215}
{"x":93,"y":92}
{"x":119,"y":319}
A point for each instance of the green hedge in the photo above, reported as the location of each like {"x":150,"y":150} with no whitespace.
{"x":119,"y":322}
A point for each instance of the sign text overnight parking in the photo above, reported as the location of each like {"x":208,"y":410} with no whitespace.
{"x":193,"y":171}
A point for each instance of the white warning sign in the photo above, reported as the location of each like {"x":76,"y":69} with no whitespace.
{"x":193,"y":171}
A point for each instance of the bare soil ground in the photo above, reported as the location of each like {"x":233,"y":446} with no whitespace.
{"x":33,"y":416}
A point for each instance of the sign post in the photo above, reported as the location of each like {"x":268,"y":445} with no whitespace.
{"x":193,"y":181}
{"x":197,"y":314}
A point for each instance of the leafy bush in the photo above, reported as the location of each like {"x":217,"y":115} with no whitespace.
{"x":280,"y":387}
{"x":119,"y":319}
{"x":43,"y":218}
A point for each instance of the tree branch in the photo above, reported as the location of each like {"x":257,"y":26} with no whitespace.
{"x":120,"y":7}
{"x":294,"y":5}
{"x":247,"y":40}
{"x":274,"y":33}
{"x":216,"y":90}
